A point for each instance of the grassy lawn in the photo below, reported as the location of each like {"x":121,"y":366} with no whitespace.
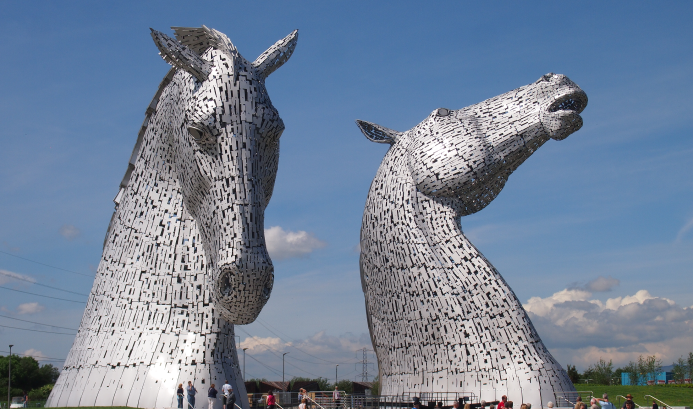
{"x":671,"y":395}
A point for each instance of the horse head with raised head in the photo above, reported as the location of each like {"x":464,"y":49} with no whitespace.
{"x":441,"y":317}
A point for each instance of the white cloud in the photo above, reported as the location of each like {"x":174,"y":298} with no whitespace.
{"x":313,"y":356}
{"x":686,"y":227}
{"x":283,"y":244}
{"x":34,"y":353}
{"x":29,"y":308}
{"x":9,"y":277}
{"x":69,"y":231}
{"x":578,"y":327}
{"x":602,"y":284}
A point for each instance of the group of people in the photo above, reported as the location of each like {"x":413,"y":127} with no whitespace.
{"x":503,"y":404}
{"x":229,"y":398}
{"x":596,"y":403}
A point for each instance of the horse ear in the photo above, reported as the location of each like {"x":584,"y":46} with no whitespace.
{"x":180,"y":56}
{"x":275,"y":56}
{"x":377,"y":133}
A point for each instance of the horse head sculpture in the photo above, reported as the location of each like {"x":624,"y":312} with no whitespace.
{"x":468,"y":154}
{"x":227,"y":133}
{"x":441,"y":317}
{"x":184,"y":257}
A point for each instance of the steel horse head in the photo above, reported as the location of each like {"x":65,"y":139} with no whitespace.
{"x":226,"y":133}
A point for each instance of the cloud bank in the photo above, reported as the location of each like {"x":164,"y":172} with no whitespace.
{"x":578,"y":328}
{"x":283,"y":244}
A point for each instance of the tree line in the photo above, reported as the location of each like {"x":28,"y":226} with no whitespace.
{"x":27,"y":375}
{"x":640,"y":371}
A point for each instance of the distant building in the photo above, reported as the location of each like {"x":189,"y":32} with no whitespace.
{"x":662,"y":377}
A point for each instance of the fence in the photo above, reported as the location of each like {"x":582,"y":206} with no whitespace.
{"x":324,"y":400}
{"x":568,"y":399}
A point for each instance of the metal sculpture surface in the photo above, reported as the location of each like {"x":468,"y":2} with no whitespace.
{"x":184,"y":257}
{"x":441,"y":318}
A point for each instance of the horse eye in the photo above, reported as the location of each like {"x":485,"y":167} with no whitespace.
{"x":443,"y":112}
{"x":196,"y":133}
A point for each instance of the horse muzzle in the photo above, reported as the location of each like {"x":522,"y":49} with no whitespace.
{"x":243,"y":289}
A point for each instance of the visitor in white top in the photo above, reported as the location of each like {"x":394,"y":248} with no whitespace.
{"x":336,"y":396}
{"x":604,"y":402}
{"x":229,"y":397}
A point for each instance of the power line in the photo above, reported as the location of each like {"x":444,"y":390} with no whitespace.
{"x":35,"y":283}
{"x":271,"y":369}
{"x":36,"y":330}
{"x":39,"y":323}
{"x":333,"y":363}
{"x":47,"y":265}
{"x":293,"y":357}
{"x":41,"y":295}
{"x":272,"y":351}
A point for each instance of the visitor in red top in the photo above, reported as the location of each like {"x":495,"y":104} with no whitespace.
{"x":270,"y":400}
{"x":501,"y":404}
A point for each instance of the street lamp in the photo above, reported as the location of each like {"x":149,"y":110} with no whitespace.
{"x":244,"y":364}
{"x":283,"y":365}
{"x":335,"y":374}
{"x":9,"y":379}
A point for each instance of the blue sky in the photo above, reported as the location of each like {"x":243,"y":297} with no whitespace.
{"x":600,"y":216}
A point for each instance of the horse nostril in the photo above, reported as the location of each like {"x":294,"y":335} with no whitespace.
{"x":225,"y":283}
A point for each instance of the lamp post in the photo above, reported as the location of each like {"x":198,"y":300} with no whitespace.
{"x":335,"y":374}
{"x":244,"y":364}
{"x":283,"y":365}
{"x":9,"y":379}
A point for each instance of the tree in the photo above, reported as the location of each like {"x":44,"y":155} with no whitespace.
{"x":653,"y":366}
{"x":690,"y":365}
{"x":617,"y":376}
{"x":26,"y":374}
{"x":376,"y":386}
{"x":573,"y":374}
{"x":680,"y":370}
{"x":633,"y":371}
{"x":323,"y":383}
{"x":601,"y":372}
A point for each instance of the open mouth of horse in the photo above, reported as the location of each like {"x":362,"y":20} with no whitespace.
{"x":575,"y":102}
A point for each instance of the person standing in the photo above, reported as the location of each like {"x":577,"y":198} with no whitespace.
{"x":271,"y":402}
{"x":229,"y":397}
{"x":654,"y":405}
{"x":179,"y":394}
{"x":303,"y":404}
{"x":211,"y":396}
{"x":191,"y":395}
{"x":578,"y":402}
{"x":501,"y":404}
{"x":628,"y":397}
{"x":336,"y":396}
{"x":604,"y":402}
{"x":25,"y":399}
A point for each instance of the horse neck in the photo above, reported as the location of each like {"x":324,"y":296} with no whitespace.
{"x":152,"y":236}
{"x":425,"y":219}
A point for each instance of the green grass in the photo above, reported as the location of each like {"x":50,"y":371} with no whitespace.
{"x":675,"y":396}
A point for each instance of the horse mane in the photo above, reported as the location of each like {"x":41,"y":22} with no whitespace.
{"x":199,"y":40}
